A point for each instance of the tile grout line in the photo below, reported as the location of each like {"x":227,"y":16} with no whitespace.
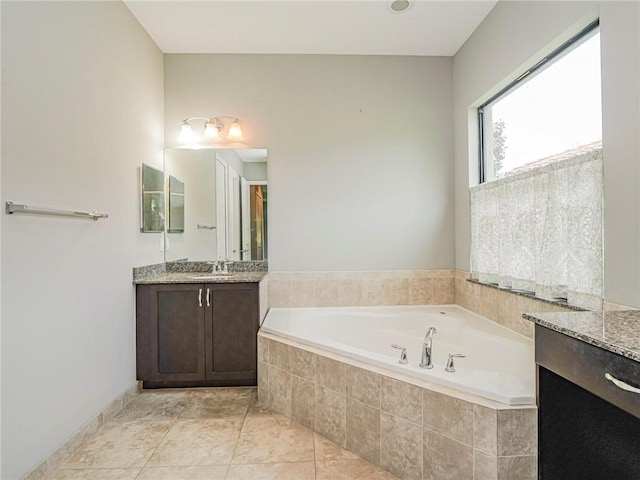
{"x":175,"y":420}
{"x":244,"y":419}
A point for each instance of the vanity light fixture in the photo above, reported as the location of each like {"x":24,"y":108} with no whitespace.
{"x":213,"y":129}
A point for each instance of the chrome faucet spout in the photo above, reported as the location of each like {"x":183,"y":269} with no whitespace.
{"x":427,"y":349}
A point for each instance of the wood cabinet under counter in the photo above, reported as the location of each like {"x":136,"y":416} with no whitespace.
{"x":190,"y":335}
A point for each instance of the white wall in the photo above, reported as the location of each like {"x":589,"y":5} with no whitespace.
{"x":518,"y":34}
{"x":83,"y":90}
{"x":360,"y":151}
{"x":255,"y":171}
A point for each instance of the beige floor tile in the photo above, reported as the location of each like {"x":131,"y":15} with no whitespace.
{"x":223,"y":393}
{"x":97,"y":474}
{"x":327,"y":450}
{"x":183,"y":473}
{"x":273,"y":471}
{"x":273,"y":439}
{"x":197,"y":442}
{"x":351,"y":470}
{"x":213,"y":407}
{"x":257,"y":409}
{"x":120,"y":445}
{"x":153,"y":406}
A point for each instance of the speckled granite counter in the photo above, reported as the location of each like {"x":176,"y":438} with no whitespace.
{"x":188,"y":277}
{"x":617,"y":331}
{"x":182,"y":272}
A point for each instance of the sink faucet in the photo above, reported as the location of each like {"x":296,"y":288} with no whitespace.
{"x":427,"y":356}
{"x":219,"y":267}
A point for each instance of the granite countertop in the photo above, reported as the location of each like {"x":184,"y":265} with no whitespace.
{"x":616,"y":331}
{"x":185,"y":277}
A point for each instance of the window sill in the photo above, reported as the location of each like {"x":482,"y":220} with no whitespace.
{"x":559,"y":302}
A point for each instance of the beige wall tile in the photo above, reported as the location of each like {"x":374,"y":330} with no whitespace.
{"x":420,"y":291}
{"x":279,"y":355}
{"x":303,"y":363}
{"x":263,"y":383}
{"x":331,"y":374}
{"x":489,"y":303}
{"x":461,"y":293}
{"x":448,"y":416}
{"x":372,"y":291}
{"x":485,"y":429}
{"x":350,"y":292}
{"x":263,"y":349}
{"x":401,"y":399}
{"x":400,"y":447}
{"x":303,"y":401}
{"x":280,"y":292}
{"x":280,"y":391}
{"x":485,"y":467}
{"x":443,"y":291}
{"x":363,"y":430}
{"x":517,"y":432}
{"x":330,"y":415}
{"x":363,"y":385}
{"x":518,"y":468}
{"x":326,"y":291}
{"x":445,"y":459}
{"x":396,"y":291}
{"x":304,"y":293}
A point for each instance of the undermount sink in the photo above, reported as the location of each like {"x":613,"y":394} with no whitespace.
{"x":211,"y":276}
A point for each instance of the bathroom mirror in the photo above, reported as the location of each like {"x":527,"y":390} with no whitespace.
{"x":152,"y":199}
{"x":225,"y":204}
{"x":176,"y":205}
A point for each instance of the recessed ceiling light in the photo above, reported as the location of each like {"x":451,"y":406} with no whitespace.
{"x":399,"y":6}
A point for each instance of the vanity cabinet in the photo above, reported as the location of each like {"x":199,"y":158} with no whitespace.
{"x":197,"y":334}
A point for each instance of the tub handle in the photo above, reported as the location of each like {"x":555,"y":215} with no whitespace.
{"x":450,"y":367}
{"x":403,"y":354}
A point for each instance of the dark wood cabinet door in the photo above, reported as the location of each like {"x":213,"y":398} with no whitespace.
{"x":170,"y":332}
{"x":230,"y":335}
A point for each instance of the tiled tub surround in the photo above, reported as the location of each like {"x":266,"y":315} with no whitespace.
{"x":405,"y":287}
{"x":344,"y":289}
{"x":412,"y":428}
{"x":498,"y":362}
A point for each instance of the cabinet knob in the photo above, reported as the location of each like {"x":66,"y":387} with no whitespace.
{"x":208,"y":297}
{"x":200,"y":297}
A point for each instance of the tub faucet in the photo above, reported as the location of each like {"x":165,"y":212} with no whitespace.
{"x":427,"y":356}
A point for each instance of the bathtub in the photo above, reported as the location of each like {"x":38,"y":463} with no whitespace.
{"x":498,"y":363}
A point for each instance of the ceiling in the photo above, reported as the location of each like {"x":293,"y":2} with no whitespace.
{"x":356,"y":27}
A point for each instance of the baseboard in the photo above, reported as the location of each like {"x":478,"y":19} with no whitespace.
{"x":59,"y":456}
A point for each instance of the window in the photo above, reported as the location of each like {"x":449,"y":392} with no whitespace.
{"x":536,"y":217}
{"x":551,"y":112}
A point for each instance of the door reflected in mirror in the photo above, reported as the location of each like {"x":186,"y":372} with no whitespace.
{"x":225,"y":204}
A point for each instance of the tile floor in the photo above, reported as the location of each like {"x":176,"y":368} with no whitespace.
{"x":212,"y":434}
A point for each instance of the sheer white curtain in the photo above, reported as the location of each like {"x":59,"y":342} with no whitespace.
{"x":541,"y":231}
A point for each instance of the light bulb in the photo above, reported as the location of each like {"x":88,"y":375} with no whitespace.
{"x":211,"y":131}
{"x":186,"y":133}
{"x":235,"y":132}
